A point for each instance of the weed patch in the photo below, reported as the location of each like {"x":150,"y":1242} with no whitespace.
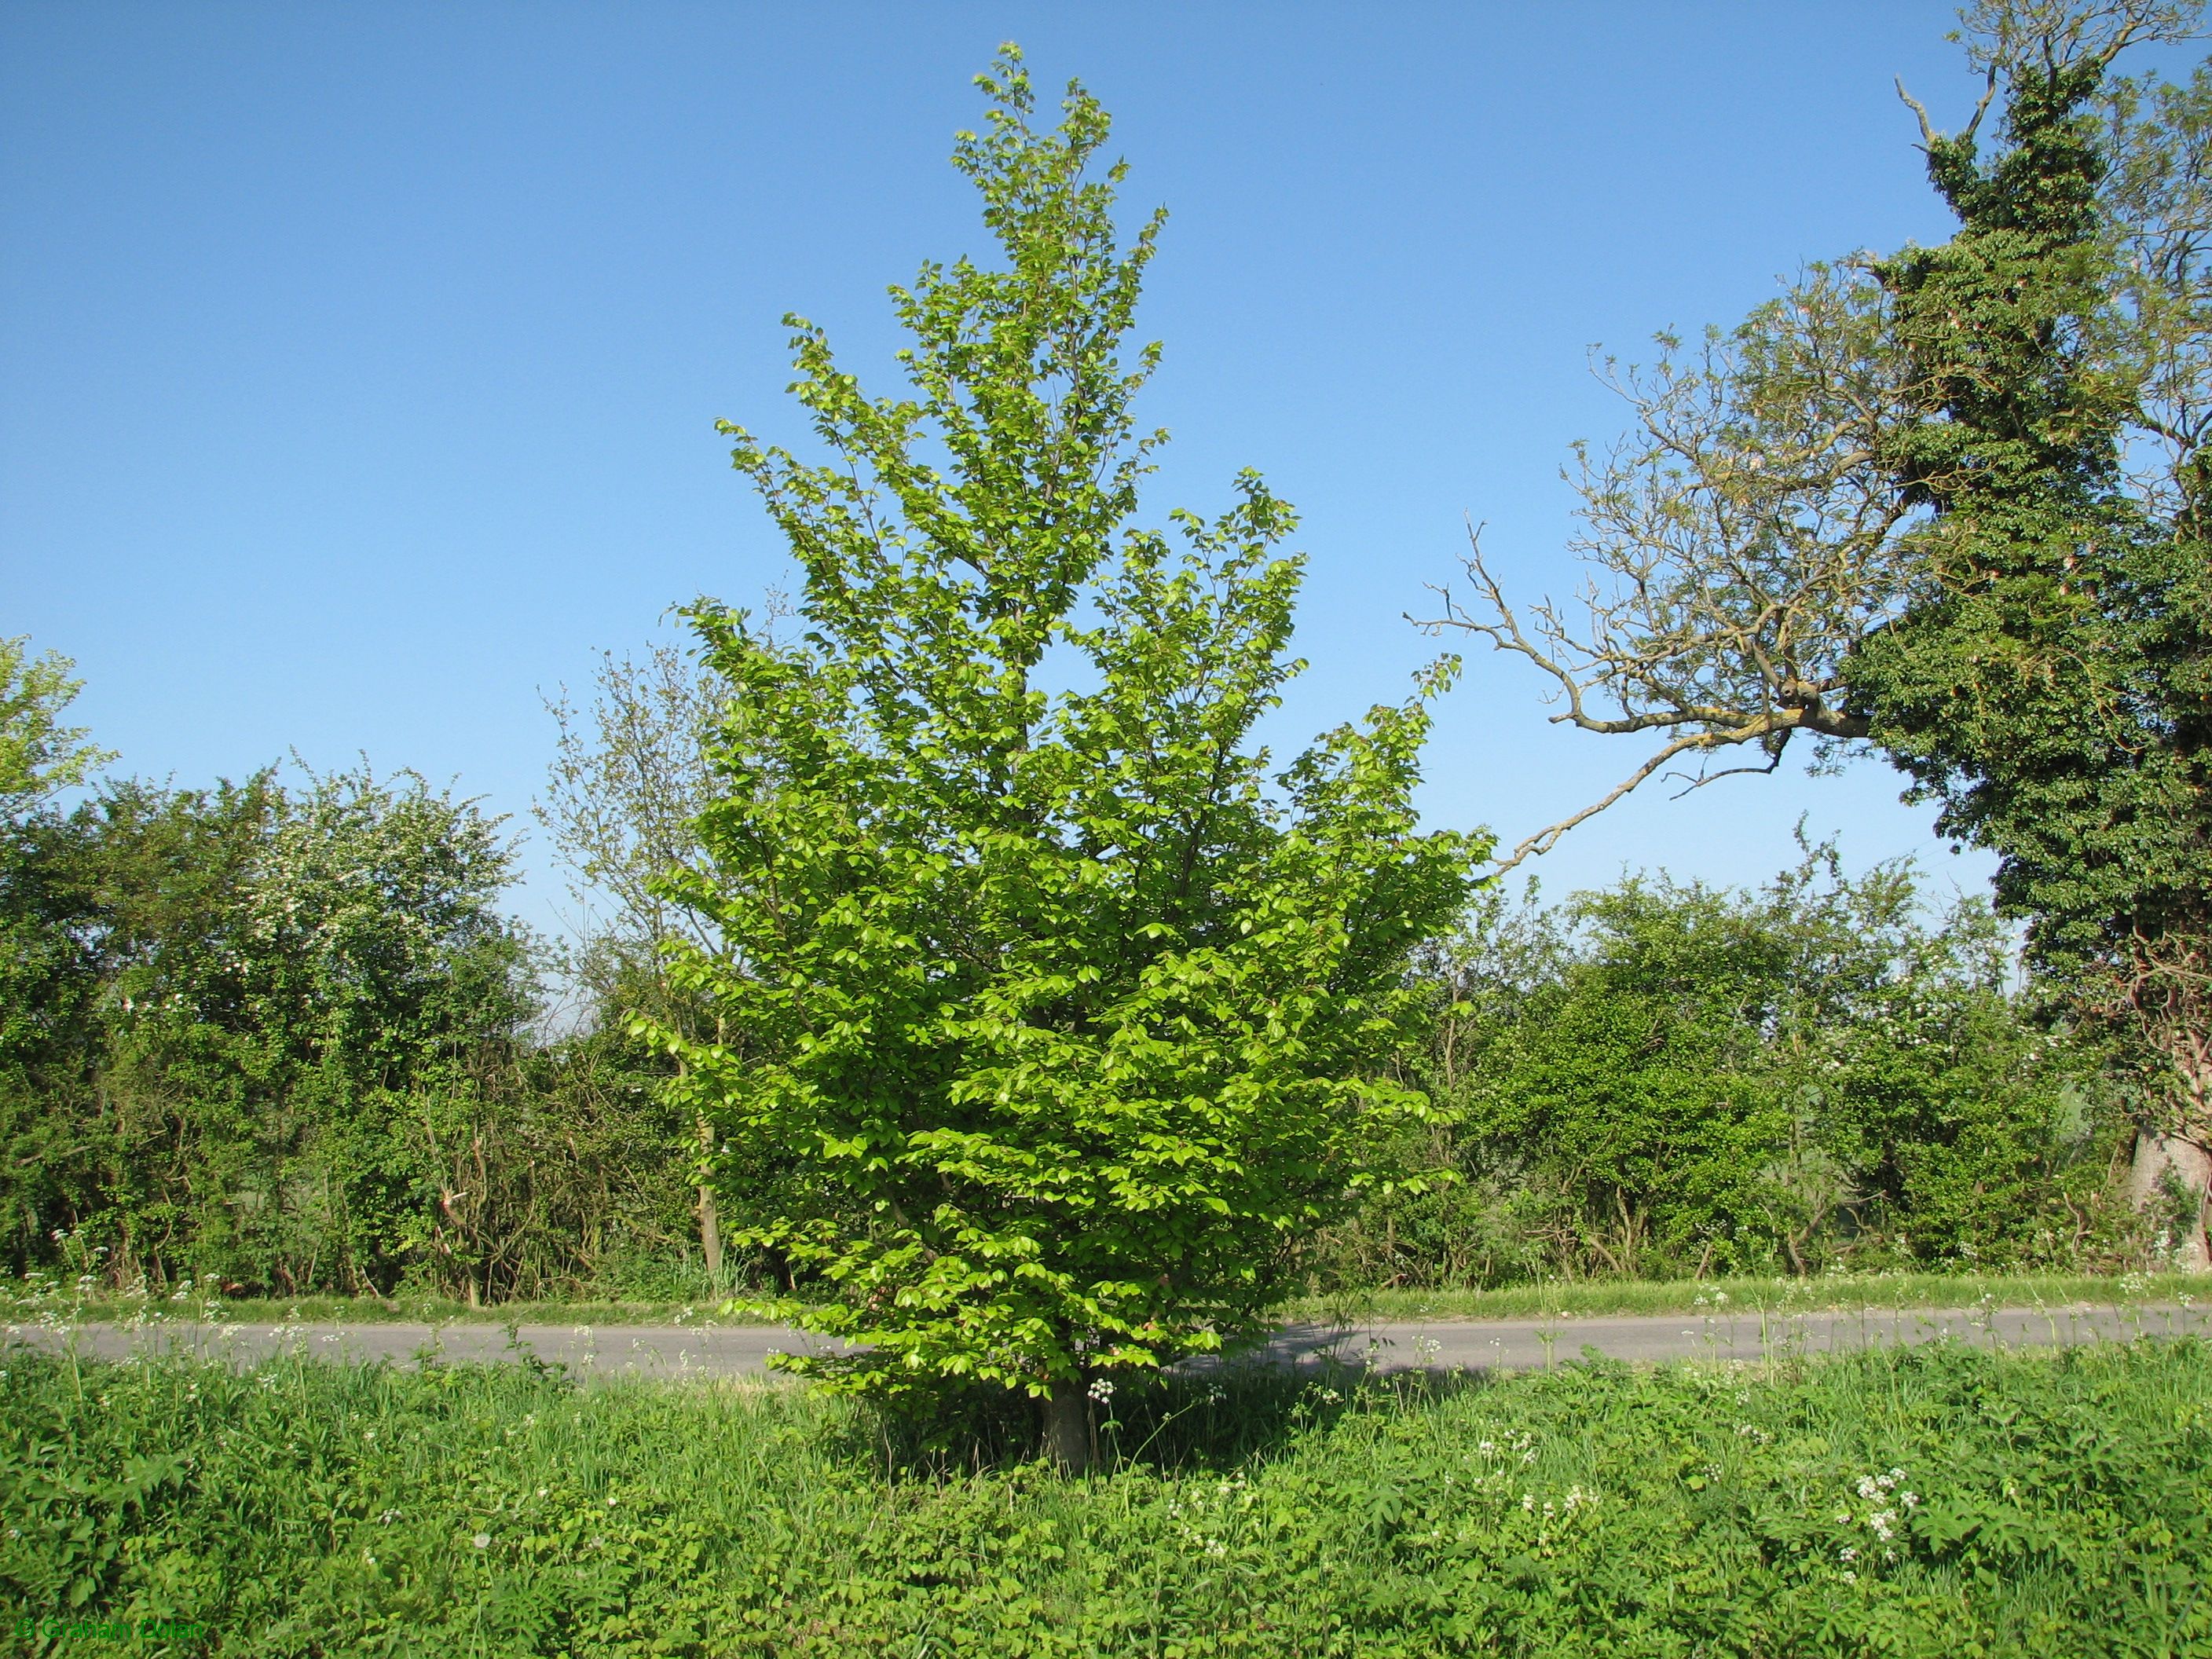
{"x":1942,"y":1501}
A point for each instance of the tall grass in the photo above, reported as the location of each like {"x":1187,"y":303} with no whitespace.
{"x":1947,"y":1500}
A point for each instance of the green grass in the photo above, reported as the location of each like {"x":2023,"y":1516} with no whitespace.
{"x":1947,"y":1501}
{"x":50,"y":1297}
{"x":1554,"y":1298}
{"x":1595,"y":1298}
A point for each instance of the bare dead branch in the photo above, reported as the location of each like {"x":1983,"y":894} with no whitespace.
{"x":1738,"y":542}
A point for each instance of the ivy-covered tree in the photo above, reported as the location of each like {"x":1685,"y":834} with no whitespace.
{"x":1953,"y":502}
{"x":2049,"y":682}
{"x":1072,"y":1011}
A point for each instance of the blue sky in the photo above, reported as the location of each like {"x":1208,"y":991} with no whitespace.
{"x":359,"y":364}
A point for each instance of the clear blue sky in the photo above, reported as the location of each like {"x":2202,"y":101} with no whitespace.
{"x":359,"y":363}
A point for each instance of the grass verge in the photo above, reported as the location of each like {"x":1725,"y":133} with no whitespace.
{"x":1945,"y":1500}
{"x":1556,"y":1299}
{"x":1596,"y":1298}
{"x":55,"y":1303}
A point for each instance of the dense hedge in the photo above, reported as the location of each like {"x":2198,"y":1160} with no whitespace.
{"x":287,"y":1041}
{"x":1670,"y":1080}
{"x":281,"y":1039}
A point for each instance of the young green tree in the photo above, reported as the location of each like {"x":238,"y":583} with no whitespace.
{"x":1072,"y":1015}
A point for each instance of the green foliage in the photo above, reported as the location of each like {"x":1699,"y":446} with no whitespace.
{"x":1938,"y":1502}
{"x":270,"y":1037}
{"x":1665,"y":1078}
{"x":1067,"y":1017}
{"x":1031,"y":1022}
{"x":1953,"y":502}
{"x":2048,"y":685}
{"x":38,"y":754}
{"x":630,"y":773}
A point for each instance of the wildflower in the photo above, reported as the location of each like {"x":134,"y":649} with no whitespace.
{"x":482,"y":1541}
{"x":1847,"y":1554}
{"x":1102,"y":1390}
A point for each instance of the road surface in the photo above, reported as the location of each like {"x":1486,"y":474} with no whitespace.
{"x":706,"y":1349}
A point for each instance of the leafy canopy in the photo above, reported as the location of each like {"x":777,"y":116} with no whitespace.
{"x":2047,"y":683}
{"x":1073,"y":1010}
{"x":39,"y":755}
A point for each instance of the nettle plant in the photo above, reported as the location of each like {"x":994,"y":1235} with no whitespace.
{"x":1072,"y":1013}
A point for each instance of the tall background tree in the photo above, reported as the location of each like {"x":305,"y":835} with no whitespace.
{"x":1951,"y":502}
{"x":2050,"y":683}
{"x":1074,"y":1012}
{"x":630,"y":774}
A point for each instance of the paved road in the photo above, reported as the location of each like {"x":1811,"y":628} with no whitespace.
{"x":707,"y":1349}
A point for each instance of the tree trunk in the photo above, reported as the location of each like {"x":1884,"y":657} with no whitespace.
{"x":2159,"y":1153}
{"x":710,"y":1221}
{"x":1068,"y":1426}
{"x":710,"y":1236}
